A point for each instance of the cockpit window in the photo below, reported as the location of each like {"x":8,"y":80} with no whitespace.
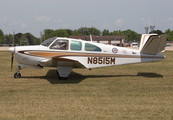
{"x":91,"y":47}
{"x":60,"y":45}
{"x":47,"y":42}
{"x":76,"y":45}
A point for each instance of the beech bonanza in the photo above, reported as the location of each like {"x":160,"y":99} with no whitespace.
{"x":67,"y":53}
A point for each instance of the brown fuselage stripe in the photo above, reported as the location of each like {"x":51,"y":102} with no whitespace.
{"x":59,"y":55}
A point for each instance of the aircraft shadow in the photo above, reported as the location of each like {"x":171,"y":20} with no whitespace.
{"x":75,"y":78}
{"x":150,"y":75}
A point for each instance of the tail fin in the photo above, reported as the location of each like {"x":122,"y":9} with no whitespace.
{"x":152,"y":43}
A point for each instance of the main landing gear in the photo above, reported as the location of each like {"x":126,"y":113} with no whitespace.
{"x":63,"y":72}
{"x":17,"y":74}
{"x":61,"y":78}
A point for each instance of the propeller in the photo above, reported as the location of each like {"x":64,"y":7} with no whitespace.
{"x":12,"y":50}
{"x":12,"y":55}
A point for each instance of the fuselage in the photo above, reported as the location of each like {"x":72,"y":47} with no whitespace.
{"x":78,"y":54}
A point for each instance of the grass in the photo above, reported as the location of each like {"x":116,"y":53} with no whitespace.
{"x":138,"y":91}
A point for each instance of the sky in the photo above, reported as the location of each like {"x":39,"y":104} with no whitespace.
{"x":36,"y":15}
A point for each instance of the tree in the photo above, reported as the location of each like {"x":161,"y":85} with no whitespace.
{"x":1,"y":33}
{"x":118,"y":32}
{"x":17,"y":38}
{"x":96,"y":31}
{"x":23,"y":40}
{"x":77,"y":32}
{"x":70,"y":32}
{"x":60,"y":33}
{"x":93,"y":31}
{"x":7,"y":39}
{"x":31,"y":39}
{"x":131,"y":35}
{"x":48,"y":33}
{"x":159,"y":32}
{"x":1,"y":37}
{"x":170,"y":35}
{"x":105,"y":32}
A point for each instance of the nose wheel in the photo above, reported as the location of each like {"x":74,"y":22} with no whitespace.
{"x":17,"y":74}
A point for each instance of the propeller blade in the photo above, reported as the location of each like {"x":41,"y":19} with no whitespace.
{"x":11,"y":61}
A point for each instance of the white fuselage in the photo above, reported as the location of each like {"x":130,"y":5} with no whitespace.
{"x":44,"y":56}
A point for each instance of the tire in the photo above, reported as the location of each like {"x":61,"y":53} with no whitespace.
{"x":17,"y":75}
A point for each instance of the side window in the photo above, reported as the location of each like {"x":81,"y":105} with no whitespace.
{"x":76,"y":45}
{"x":60,"y":45}
{"x":90,"y":47}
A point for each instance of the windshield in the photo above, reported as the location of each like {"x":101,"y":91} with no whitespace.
{"x":48,"y":42}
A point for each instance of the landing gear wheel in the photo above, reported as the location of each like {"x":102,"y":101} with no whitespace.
{"x":17,"y":75}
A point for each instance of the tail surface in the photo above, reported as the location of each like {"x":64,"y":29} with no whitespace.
{"x":152,"y":43}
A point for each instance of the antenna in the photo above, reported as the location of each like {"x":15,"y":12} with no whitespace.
{"x":152,"y":26}
{"x":13,"y":38}
{"x":44,"y":34}
{"x":41,"y":36}
{"x":146,"y":29}
{"x":85,"y":29}
{"x":82,"y":29}
{"x":93,"y":28}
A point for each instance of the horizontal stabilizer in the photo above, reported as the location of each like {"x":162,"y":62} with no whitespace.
{"x":152,"y":44}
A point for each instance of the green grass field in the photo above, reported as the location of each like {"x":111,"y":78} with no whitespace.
{"x":137,"y":91}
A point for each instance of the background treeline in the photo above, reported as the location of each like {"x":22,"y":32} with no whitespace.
{"x":130,"y":35}
{"x":29,"y":39}
{"x":19,"y":39}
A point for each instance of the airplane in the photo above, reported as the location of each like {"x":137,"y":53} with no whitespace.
{"x":67,"y":53}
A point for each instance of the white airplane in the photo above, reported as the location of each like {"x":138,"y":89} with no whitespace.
{"x":67,"y":53}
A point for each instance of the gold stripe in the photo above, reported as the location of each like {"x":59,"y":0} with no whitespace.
{"x":56,"y":55}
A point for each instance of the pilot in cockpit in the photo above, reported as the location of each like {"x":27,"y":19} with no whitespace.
{"x":59,"y":45}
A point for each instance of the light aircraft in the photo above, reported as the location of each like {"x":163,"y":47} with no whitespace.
{"x":68,"y":53}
